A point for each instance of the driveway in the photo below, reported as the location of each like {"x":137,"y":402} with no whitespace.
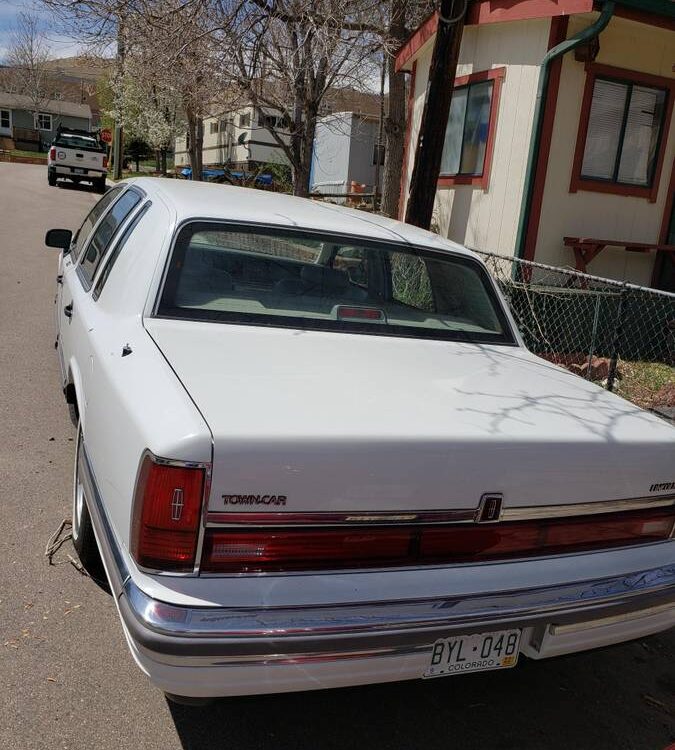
{"x":67,"y":679}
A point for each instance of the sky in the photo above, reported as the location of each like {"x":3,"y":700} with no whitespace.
{"x":60,"y":44}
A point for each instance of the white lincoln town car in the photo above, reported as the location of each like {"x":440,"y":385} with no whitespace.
{"x":313,"y":452}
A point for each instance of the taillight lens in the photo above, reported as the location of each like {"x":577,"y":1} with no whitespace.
{"x":52,"y":153}
{"x":105,"y":162}
{"x":293,"y":550}
{"x":167,"y":510}
{"x":545,"y":537}
{"x":259,"y":550}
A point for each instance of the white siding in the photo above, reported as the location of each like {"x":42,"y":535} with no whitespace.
{"x":624,"y":44}
{"x":222,"y":146}
{"x":488,"y":219}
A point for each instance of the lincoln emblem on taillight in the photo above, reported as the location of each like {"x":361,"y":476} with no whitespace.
{"x":177,"y":504}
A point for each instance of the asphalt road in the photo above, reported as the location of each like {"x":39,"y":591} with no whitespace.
{"x":66,"y":677}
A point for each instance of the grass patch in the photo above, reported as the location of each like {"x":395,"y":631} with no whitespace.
{"x":647,"y":384}
{"x":32,"y":154}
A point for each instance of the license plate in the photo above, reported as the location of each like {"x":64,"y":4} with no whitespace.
{"x":474,"y":653}
{"x":78,"y":171}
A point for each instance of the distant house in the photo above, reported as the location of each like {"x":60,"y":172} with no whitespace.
{"x":239,"y":139}
{"x":35,"y":132}
{"x":345,"y":151}
{"x":76,"y":79}
{"x":596,"y":189}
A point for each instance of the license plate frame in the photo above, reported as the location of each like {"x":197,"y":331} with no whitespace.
{"x":478,"y":652}
{"x":78,"y":170}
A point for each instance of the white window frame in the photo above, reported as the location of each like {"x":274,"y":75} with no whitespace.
{"x":51,"y":121}
{"x":9,"y":127}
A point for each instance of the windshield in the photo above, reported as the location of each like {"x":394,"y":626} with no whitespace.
{"x":84,"y":142}
{"x":306,"y":280}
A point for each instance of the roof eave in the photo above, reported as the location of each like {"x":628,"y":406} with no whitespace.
{"x":500,"y":11}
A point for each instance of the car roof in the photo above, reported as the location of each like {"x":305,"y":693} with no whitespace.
{"x":203,"y":200}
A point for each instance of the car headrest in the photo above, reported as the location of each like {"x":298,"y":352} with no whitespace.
{"x":327,"y":278}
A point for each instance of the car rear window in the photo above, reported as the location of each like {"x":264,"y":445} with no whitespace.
{"x":82,"y":142}
{"x":304,"y":279}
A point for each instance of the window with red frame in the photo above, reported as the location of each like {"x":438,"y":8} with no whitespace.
{"x":623,"y":129}
{"x":466,"y":134}
{"x":625,"y":125}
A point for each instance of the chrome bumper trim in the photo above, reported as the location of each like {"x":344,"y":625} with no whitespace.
{"x":237,"y":518}
{"x":533,"y":513}
{"x":577,"y":601}
{"x":238,"y":635}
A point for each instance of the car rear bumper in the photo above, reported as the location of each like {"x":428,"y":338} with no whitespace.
{"x":85,"y":173}
{"x":216,"y":650}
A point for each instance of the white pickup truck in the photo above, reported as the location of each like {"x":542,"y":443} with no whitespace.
{"x":78,"y":156}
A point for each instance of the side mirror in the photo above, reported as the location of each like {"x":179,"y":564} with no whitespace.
{"x":59,"y":238}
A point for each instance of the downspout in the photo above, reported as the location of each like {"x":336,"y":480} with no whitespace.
{"x":540,"y":107}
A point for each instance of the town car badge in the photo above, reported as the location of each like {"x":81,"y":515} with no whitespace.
{"x":254,"y":499}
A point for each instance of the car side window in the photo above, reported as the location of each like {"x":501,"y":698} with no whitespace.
{"x":104,"y":233}
{"x":107,"y":268}
{"x":90,"y":222}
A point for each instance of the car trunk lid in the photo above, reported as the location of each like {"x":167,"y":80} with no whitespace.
{"x":307,"y":421}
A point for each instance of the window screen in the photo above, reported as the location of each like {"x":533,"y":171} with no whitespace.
{"x":104,"y":233}
{"x":624,"y":130}
{"x":467,"y":130}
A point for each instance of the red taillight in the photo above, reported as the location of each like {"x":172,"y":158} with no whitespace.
{"x":52,"y":153}
{"x":105,"y":162}
{"x":292,"y":550}
{"x":545,"y":537}
{"x":236,"y":550}
{"x":167,"y":510}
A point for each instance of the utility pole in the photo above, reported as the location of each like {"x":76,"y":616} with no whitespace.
{"x":430,"y":140}
{"x":118,"y":135}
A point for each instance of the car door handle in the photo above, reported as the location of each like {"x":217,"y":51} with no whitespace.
{"x":68,"y":310}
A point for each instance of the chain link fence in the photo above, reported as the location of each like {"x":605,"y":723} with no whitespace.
{"x":617,"y":334}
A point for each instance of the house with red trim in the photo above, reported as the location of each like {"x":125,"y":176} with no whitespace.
{"x":560,"y":143}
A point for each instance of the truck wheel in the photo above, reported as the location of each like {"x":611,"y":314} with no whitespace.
{"x":99,"y":185}
{"x":84,"y":539}
{"x":51,"y":179}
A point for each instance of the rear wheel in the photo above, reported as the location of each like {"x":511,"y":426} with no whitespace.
{"x":84,"y":539}
{"x":51,"y":179}
{"x":99,"y":185}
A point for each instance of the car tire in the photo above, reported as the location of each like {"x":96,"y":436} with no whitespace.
{"x":99,"y":185}
{"x":84,"y":539}
{"x":51,"y":179}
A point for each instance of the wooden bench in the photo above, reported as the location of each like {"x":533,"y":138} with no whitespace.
{"x":585,"y":249}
